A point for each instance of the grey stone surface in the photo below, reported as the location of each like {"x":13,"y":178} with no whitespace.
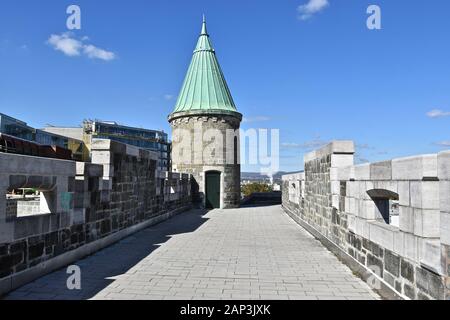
{"x":202,"y":143}
{"x":392,"y":263}
{"x":77,"y":207}
{"x":401,"y":206}
{"x":251,"y":253}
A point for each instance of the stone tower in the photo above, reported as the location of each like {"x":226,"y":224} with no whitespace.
{"x":205,"y":125}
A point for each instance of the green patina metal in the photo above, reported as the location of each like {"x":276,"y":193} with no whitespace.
{"x":204,"y":88}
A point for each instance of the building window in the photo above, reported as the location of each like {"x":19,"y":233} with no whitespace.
{"x":387,"y":204}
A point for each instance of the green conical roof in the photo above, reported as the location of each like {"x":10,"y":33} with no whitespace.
{"x":205,"y":87}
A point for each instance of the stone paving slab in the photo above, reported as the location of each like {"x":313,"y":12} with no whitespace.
{"x":246,"y":253}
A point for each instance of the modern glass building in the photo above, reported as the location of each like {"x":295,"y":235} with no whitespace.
{"x":50,"y":139}
{"x":15,"y":127}
{"x":20,"y":129}
{"x":153,"y":140}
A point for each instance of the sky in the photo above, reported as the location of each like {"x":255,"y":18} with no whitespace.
{"x":310,"y":68}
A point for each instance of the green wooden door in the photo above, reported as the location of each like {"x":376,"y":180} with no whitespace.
{"x":213,"y":190}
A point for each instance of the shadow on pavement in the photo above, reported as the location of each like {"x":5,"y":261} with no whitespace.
{"x":99,"y":270}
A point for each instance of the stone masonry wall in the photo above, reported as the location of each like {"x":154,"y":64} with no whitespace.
{"x":194,"y":151}
{"x":343,"y":202}
{"x":121,"y":188}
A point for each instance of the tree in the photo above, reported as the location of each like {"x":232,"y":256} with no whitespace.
{"x":256,"y":187}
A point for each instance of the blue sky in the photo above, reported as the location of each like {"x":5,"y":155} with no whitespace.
{"x":316,"y":78}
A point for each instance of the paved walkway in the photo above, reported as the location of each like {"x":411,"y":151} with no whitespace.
{"x":247,"y":253}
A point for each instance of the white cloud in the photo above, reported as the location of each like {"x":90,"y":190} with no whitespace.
{"x":96,"y":53}
{"x":168,"y":97}
{"x":72,"y":47}
{"x":256,"y":119}
{"x":436,"y":113}
{"x":307,"y":10}
{"x":444,"y":144}
{"x":67,"y":45}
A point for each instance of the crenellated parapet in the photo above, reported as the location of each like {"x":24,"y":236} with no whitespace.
{"x":391,"y":217}
{"x":82,"y":207}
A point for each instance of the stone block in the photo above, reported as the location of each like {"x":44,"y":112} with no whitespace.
{"x":392,"y":263}
{"x":347,"y":204}
{"x":381,"y":170}
{"x":430,"y":254}
{"x":430,"y":283}
{"x":415,"y":168}
{"x":427,"y":223}
{"x":407,"y":270}
{"x":389,"y":279}
{"x":353,"y":189}
{"x":444,"y":195}
{"x":425,"y":194}
{"x":398,"y":242}
{"x":375,"y":264}
{"x":345,"y":173}
{"x":6,"y":231}
{"x":353,"y":206}
{"x":386,"y":185}
{"x":404,"y":193}
{"x":362,"y":172}
{"x":351,"y":223}
{"x":89,"y":169}
{"x":340,"y":146}
{"x":334,"y":174}
{"x":26,"y":165}
{"x":410,"y":246}
{"x":368,"y":210}
{"x":407,"y":219}
{"x":335,"y":187}
{"x":335,"y":201}
{"x":341,"y":160}
{"x":334,"y":147}
{"x":365,"y":186}
{"x":445,"y":228}
{"x":362,"y":228}
{"x":409,"y":291}
{"x":444,"y":165}
{"x":382,"y":234}
{"x":108,"y":171}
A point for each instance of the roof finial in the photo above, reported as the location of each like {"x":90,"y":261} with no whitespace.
{"x":204,"y":32}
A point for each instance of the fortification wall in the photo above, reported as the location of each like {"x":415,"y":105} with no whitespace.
{"x":84,"y":206}
{"x":390,"y":217}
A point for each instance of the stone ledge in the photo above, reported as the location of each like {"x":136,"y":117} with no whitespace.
{"x":107,"y":147}
{"x":28,"y":165}
{"x":334,"y":147}
{"x":415,"y":168}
